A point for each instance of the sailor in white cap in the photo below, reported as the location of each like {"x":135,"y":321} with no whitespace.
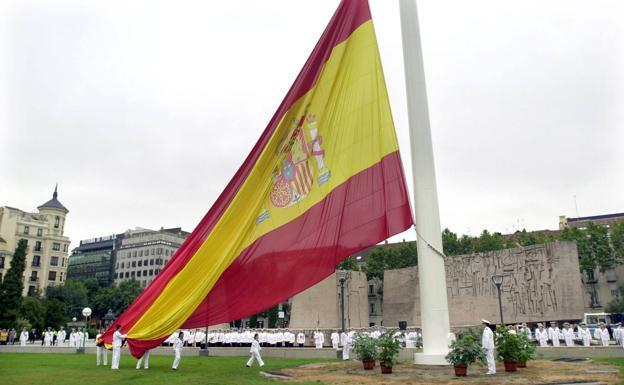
{"x":541,"y":335}
{"x":487,"y":343}
{"x":585,"y":334}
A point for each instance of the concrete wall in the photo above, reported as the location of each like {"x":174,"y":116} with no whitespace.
{"x":319,"y":306}
{"x":541,"y":283}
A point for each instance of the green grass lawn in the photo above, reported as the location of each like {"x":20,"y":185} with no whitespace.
{"x":79,"y":369}
{"x":619,"y":362}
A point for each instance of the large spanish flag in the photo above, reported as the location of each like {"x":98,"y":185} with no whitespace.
{"x":324,"y":180}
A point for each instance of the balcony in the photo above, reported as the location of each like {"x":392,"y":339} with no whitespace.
{"x":35,"y":264}
{"x":33,"y":279}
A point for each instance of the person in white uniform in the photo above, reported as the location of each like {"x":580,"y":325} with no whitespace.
{"x":255,"y":352}
{"x":345,"y":341}
{"x":144,"y":359}
{"x":118,"y":339}
{"x":541,"y":335}
{"x":568,"y":334}
{"x":553,"y":334}
{"x":602,"y":334}
{"x":47,"y":337}
{"x":178,"y":343}
{"x":23,"y":337}
{"x":319,"y":339}
{"x":487,"y":343}
{"x":62,"y":336}
{"x":585,"y":335}
{"x":101,"y":353}
{"x":617,"y":333}
{"x":335,"y":339}
{"x":300,"y":339}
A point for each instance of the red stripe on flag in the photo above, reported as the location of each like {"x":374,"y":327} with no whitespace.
{"x":365,"y":210}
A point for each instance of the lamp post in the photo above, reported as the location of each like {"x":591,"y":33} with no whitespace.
{"x":342,"y":278}
{"x":86,"y":312}
{"x":498,"y":281}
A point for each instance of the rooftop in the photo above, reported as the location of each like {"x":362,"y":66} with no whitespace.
{"x":54,"y":203}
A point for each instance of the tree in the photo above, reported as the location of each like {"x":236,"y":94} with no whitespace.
{"x":115,"y":297}
{"x":12,"y":287}
{"x":72,"y":296}
{"x":617,"y":304}
{"x":55,"y":313}
{"x":594,"y":249}
{"x":348,"y":263}
{"x":617,"y":240}
{"x":376,"y":262}
{"x":490,"y":242}
{"x":33,"y":309}
{"x":383,"y":258}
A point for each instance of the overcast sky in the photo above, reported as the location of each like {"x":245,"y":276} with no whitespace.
{"x":143,"y":110}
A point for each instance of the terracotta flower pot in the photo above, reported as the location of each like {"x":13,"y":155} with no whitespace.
{"x":461,"y":370}
{"x":510,"y":365}
{"x":522,"y":364}
{"x":368,"y":364}
{"x":385,"y":369}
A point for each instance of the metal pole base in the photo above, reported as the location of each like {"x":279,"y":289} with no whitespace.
{"x":430,"y":359}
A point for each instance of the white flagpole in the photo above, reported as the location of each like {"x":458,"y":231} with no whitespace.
{"x":431,"y":275}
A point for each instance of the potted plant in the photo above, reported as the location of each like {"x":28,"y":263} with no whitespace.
{"x":365,"y":348}
{"x":388,"y":349}
{"x":527,"y":350}
{"x":507,"y":348}
{"x":465,"y":350}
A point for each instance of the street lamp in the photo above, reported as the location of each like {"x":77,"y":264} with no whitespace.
{"x":342,"y":278}
{"x":86,"y":312}
{"x":498,"y":281}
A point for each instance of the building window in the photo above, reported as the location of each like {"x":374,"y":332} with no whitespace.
{"x":57,"y":222}
{"x":127,"y":274}
{"x":153,"y":251}
{"x":151,"y":262}
{"x":56,"y":246}
{"x":132,"y":274}
{"x":133,"y":263}
{"x":1,"y":262}
{"x":61,"y":280}
{"x":140,"y":253}
{"x":122,"y":265}
{"x":63,"y":262}
{"x":65,"y":248}
{"x":39,"y":232}
{"x":160,"y":251}
{"x":52,"y":276}
{"x":54,"y":261}
{"x":134,"y":254}
{"x":129,"y":254}
{"x":145,"y":273}
{"x":116,"y":274}
{"x":26,"y":230}
{"x":31,"y":290}
{"x":151,"y":272}
{"x":370,"y":289}
{"x":156,"y":271}
{"x":145,"y":262}
{"x":140,"y":263}
{"x":36,"y":262}
{"x":38,"y":246}
{"x":372,"y":309}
